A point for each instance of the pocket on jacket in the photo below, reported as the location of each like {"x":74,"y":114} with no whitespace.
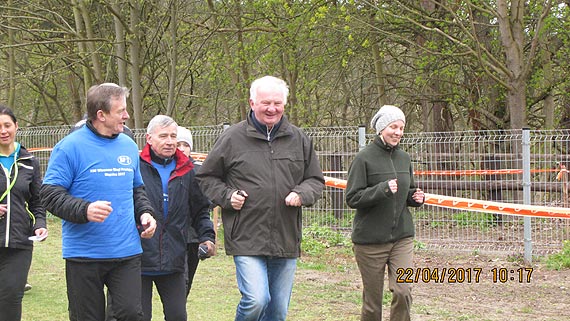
{"x":294,"y":161}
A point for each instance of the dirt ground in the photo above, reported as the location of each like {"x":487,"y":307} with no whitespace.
{"x":531,"y":293}
{"x":545,"y":296}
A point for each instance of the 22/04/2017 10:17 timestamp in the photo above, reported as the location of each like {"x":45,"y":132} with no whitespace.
{"x":462,"y":275}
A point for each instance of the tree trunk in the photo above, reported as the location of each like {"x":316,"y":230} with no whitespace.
{"x":81,"y":50}
{"x":11,"y":64}
{"x":511,"y":30}
{"x":171,"y":101}
{"x":135,"y":48}
{"x":121,"y":52}
{"x":90,"y":45}
{"x":228,"y":61}
{"x":243,"y":61}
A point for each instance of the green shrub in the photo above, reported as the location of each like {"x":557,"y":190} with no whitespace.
{"x":560,"y":260}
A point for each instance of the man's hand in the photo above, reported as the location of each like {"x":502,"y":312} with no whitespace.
{"x":148,"y":225}
{"x":293,"y":199}
{"x":98,"y":211}
{"x":211,"y":247}
{"x":238,"y":198}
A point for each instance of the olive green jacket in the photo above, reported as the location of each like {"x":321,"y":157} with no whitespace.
{"x":244,"y":159}
{"x":381,"y":216}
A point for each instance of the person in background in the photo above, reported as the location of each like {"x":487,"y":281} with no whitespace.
{"x":177,"y":199}
{"x":93,"y":183}
{"x":185,"y":144}
{"x":21,"y":215}
{"x":380,"y":187}
{"x":261,"y":171}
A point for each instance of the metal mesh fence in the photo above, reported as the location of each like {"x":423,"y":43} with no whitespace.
{"x":483,"y":165}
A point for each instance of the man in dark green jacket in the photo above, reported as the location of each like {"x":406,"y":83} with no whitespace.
{"x":380,"y":187}
{"x":261,"y":171}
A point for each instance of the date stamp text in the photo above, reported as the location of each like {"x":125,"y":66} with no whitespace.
{"x":463,"y":275}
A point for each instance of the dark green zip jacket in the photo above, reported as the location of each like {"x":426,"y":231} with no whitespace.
{"x":268,"y":170}
{"x":381,"y":216}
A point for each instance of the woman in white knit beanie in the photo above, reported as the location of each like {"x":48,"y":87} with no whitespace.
{"x":380,"y":186}
{"x":184,"y":137}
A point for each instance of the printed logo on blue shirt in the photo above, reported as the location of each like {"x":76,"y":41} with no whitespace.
{"x":124,"y":160}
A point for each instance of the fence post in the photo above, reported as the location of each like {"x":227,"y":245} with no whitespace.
{"x":526,"y":194}
{"x":361,"y":137}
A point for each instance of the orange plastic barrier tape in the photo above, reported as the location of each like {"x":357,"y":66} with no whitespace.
{"x":199,"y":156}
{"x":481,"y":172}
{"x":478,"y":205}
{"x":448,"y":201}
{"x":496,"y":207}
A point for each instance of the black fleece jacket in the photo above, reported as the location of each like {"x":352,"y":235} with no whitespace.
{"x":166,"y":250}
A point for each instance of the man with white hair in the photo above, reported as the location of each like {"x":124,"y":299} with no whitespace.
{"x":261,"y":171}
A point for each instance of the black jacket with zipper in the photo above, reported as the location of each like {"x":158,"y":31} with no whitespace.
{"x":166,"y":250}
{"x":25,"y":211}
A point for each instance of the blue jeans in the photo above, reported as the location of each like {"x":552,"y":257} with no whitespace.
{"x":265,"y":284}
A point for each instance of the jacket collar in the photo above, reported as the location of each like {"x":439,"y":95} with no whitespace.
{"x":183,"y":163}
{"x":261,"y":128}
{"x":89,"y":125}
{"x":380,"y":143}
{"x":282,"y":128}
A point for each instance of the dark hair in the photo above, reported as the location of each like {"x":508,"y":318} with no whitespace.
{"x":99,"y":98}
{"x":4,"y":110}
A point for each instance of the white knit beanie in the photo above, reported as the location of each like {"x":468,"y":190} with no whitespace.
{"x":184,"y":135}
{"x":385,"y":116}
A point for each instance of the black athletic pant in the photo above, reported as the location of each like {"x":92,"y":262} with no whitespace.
{"x":14,"y":268}
{"x":191,"y":265}
{"x":85,"y":288}
{"x":171,"y":288}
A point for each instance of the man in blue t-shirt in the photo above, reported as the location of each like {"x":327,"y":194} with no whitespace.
{"x":93,"y":182}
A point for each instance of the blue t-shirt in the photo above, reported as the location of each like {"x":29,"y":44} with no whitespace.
{"x":95,"y":168}
{"x":8,"y":160}
{"x":164,"y":173}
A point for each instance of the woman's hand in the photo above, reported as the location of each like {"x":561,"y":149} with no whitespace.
{"x":393,"y":185}
{"x":419,"y":196}
{"x":3,"y":210}
{"x":41,"y":233}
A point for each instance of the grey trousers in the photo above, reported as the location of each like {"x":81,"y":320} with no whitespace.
{"x":372,"y":260}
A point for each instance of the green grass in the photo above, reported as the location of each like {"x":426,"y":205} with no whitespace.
{"x":560,"y":260}
{"x":321,"y":291}
{"x":475,"y":219}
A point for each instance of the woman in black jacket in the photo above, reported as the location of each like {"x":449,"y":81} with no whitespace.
{"x":22,"y":216}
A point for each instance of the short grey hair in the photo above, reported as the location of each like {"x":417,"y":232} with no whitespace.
{"x":159,"y":121}
{"x":269,"y":82}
